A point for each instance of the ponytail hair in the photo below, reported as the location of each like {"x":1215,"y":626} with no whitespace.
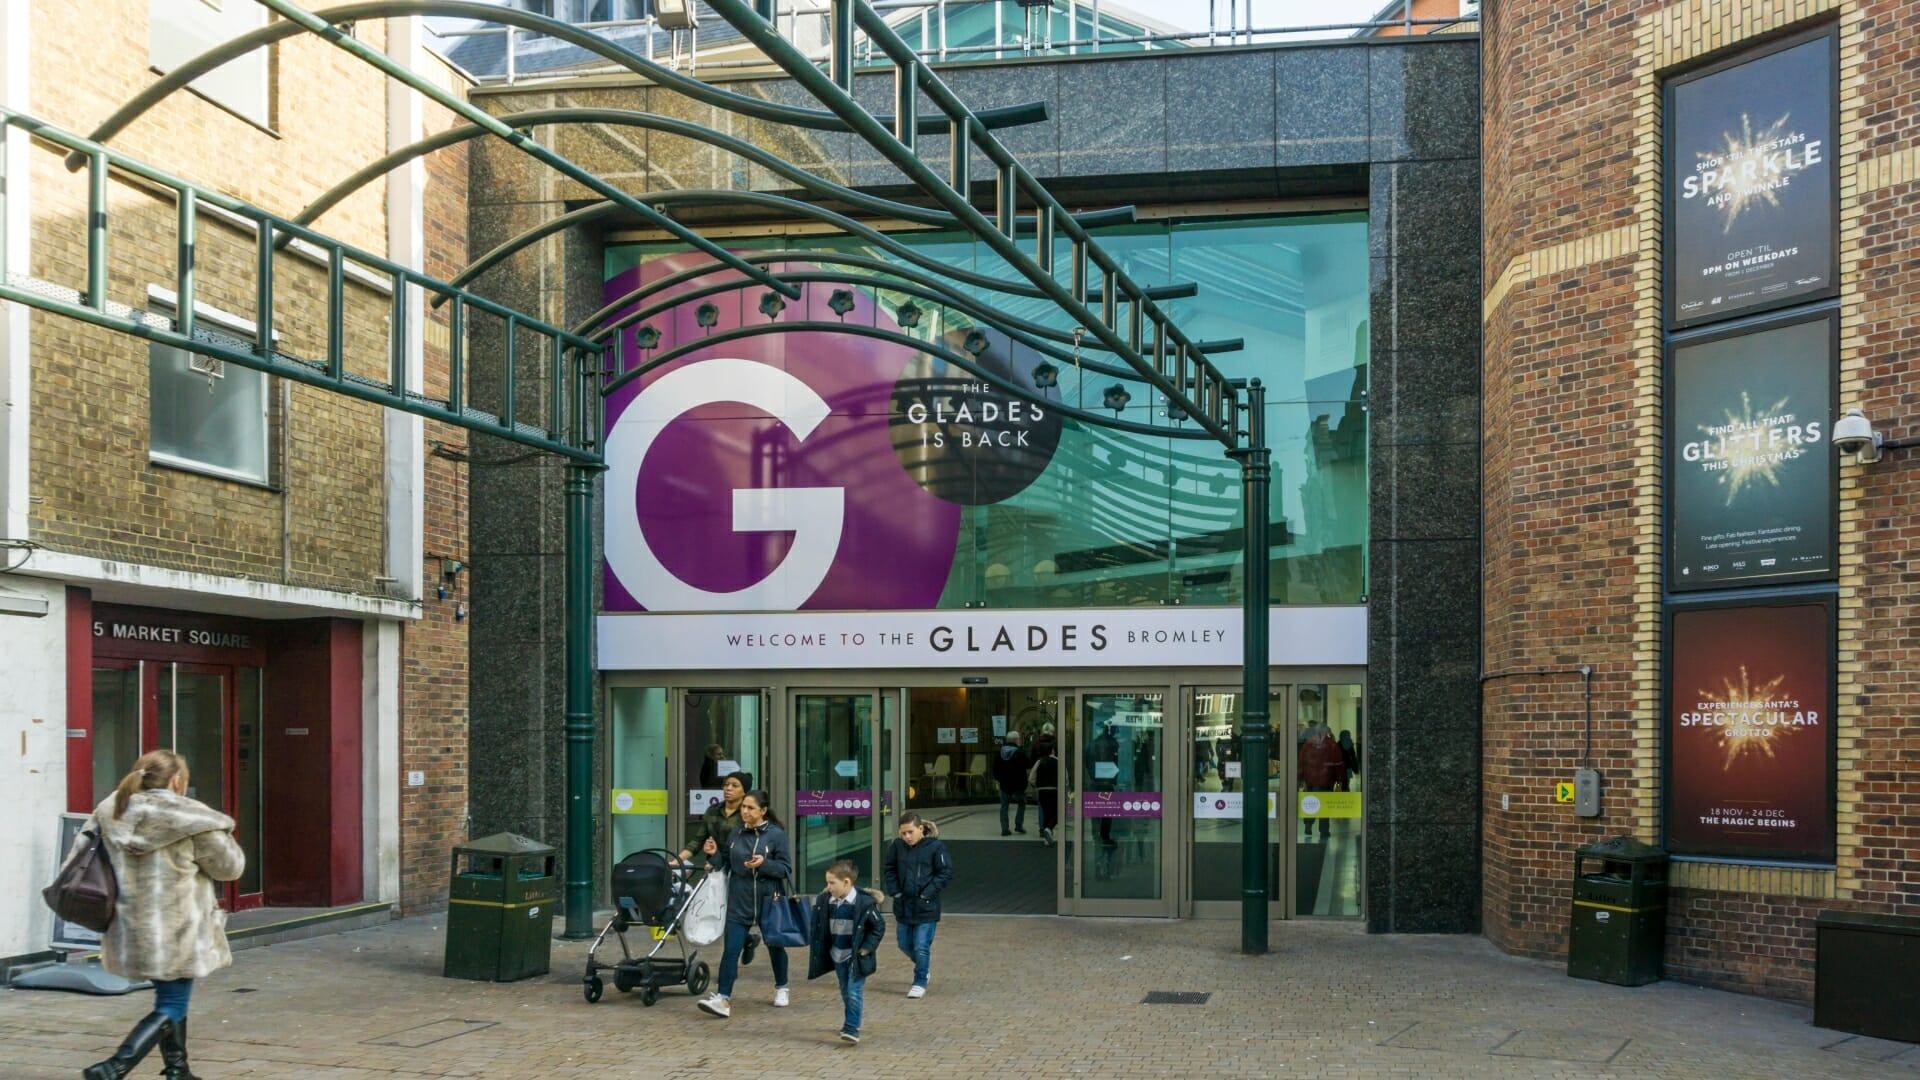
{"x":765,"y":799}
{"x":154,"y":769}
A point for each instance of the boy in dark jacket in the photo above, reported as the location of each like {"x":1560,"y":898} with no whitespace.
{"x":847,"y":930}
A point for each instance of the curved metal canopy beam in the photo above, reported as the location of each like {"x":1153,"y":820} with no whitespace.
{"x":959,"y":360}
{"x":673,"y":126}
{"x":814,"y":119}
{"x":1014,"y":327}
{"x":595,"y":211}
{"x":1046,"y":340}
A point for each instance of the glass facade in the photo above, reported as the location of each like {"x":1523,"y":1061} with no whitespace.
{"x":1100,"y":518}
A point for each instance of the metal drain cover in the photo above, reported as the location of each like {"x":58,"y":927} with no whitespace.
{"x":1175,"y":997}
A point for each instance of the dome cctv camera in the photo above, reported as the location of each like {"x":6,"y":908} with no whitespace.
{"x":1854,"y":434}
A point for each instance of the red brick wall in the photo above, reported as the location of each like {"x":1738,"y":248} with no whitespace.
{"x":433,"y":739}
{"x":1571,"y":458}
{"x":1560,"y":547}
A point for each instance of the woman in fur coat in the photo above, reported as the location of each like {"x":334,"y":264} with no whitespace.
{"x":167,"y":851}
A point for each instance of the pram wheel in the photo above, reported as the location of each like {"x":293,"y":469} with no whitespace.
{"x":697,"y":977}
{"x":649,"y":993}
{"x":593,"y":989}
{"x":624,"y":981}
{"x":747,"y":951}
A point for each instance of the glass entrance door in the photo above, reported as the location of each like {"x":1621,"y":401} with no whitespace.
{"x":1119,"y":812}
{"x":1328,"y":842}
{"x":836,"y":801}
{"x":1219,"y":780}
{"x":725,"y":733}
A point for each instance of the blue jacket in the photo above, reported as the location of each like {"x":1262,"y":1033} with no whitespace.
{"x":748,"y":889}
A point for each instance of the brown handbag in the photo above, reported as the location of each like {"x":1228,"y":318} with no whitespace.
{"x":86,"y":890}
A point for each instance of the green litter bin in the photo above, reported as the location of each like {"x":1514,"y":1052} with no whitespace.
{"x":1619,"y":925}
{"x":500,"y":909}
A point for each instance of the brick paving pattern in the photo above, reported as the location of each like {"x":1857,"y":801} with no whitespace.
{"x":1011,"y":997}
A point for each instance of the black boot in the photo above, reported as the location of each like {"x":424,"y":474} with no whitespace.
{"x":173,"y":1050}
{"x":139,"y":1042}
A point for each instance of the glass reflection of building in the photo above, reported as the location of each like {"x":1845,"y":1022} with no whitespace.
{"x":1117,"y":519}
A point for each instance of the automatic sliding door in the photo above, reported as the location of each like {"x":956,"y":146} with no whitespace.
{"x":1122,"y":812}
{"x":1219,"y":784}
{"x":835,"y":799}
{"x":725,"y":734}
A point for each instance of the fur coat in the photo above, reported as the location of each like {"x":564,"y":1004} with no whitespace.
{"x":167,"y":851}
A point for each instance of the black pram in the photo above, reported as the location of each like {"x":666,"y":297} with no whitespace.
{"x":651,"y":889}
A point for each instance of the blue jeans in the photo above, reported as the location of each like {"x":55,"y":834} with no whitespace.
{"x":916,"y":940}
{"x":170,"y":997}
{"x":730,"y":959}
{"x":1018,"y":799}
{"x":852,"y":985}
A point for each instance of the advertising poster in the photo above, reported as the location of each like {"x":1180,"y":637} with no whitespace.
{"x":1751,"y":182}
{"x":1749,"y":732}
{"x":843,"y":468}
{"x":1752,"y":467}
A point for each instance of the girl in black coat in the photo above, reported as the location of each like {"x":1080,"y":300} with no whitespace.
{"x":759,"y":864}
{"x":917,"y":871}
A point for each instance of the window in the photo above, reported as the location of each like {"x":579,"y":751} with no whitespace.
{"x":208,"y":415}
{"x":179,"y":30}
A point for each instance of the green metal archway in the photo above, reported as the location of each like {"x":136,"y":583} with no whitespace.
{"x":1118,"y":316}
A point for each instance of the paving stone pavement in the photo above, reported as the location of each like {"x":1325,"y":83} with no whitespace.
{"x":1011,"y":997}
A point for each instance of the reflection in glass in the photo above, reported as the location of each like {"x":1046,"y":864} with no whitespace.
{"x":639,"y":766}
{"x":1122,"y":800}
{"x":1328,"y":743}
{"x":1117,"y":519}
{"x":193,"y":724}
{"x":116,"y":727}
{"x":724,"y":734}
{"x":1218,"y":784}
{"x":834,"y":792}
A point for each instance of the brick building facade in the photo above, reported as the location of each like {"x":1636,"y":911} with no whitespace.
{"x":334,"y":557}
{"x":1573,"y":471}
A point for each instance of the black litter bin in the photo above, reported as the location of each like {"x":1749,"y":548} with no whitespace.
{"x":1619,"y":922}
{"x":500,"y":909}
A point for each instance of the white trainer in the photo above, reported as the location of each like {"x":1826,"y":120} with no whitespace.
{"x":780,"y":1000}
{"x":716,"y":1005}
{"x":917,"y":992}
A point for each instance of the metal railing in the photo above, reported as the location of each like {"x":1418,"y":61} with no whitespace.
{"x":1031,"y":33}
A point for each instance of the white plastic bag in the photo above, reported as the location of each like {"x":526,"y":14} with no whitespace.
{"x":704,"y":920}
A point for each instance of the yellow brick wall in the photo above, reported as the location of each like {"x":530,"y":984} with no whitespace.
{"x":93,"y":490}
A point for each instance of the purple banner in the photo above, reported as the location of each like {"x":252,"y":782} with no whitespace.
{"x":1120,"y":804}
{"x":834,"y":803}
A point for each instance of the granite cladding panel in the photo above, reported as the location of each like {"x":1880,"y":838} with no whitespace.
{"x":1035,"y":145}
{"x":1220,"y":112}
{"x":1435,"y":884}
{"x":1113,"y":118}
{"x":1424,"y":396}
{"x":1425,"y":100}
{"x":1320,"y":106}
{"x":825,"y":154}
{"x":867,"y":167}
{"x":1436,"y":774}
{"x":1424,"y":491}
{"x":1424,"y":209}
{"x":1425,"y":303}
